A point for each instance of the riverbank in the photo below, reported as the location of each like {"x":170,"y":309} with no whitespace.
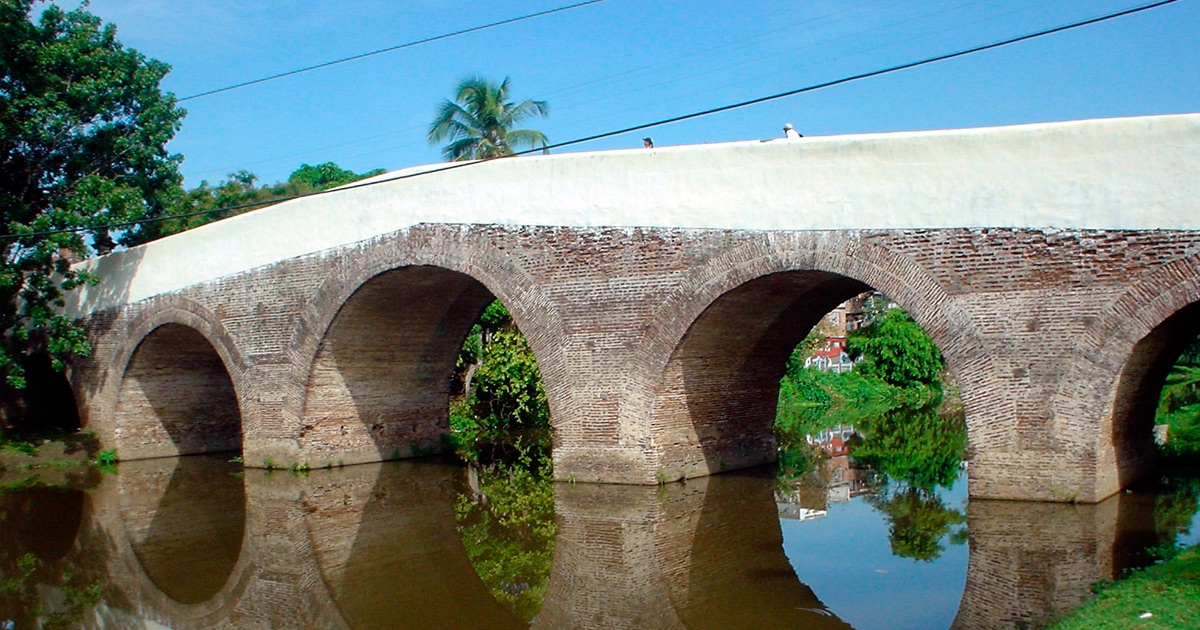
{"x":1161,"y":596}
{"x":59,"y":460}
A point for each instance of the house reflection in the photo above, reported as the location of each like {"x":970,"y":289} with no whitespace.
{"x":836,"y":479}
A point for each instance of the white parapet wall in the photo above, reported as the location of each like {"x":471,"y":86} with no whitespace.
{"x":1126,"y":173}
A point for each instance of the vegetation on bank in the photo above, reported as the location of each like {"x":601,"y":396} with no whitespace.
{"x":500,"y":425}
{"x":1162,"y":596}
{"x":499,"y":387}
{"x":1179,"y":409}
{"x":895,"y":389}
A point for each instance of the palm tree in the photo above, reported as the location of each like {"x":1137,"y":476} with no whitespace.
{"x":479,"y":122}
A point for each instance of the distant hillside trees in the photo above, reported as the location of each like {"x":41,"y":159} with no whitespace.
{"x":207,"y":203}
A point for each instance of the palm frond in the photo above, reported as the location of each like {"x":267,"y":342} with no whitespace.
{"x":527,"y":138}
{"x":478,"y":122}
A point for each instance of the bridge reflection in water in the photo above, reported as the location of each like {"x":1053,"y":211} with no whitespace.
{"x":190,"y":543}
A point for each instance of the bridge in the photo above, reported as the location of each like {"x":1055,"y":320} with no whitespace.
{"x":1056,"y":266}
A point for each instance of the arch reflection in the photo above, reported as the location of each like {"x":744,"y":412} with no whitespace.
{"x":185,"y":518}
{"x":1031,"y":561}
{"x":375,"y":546}
{"x":385,"y":541}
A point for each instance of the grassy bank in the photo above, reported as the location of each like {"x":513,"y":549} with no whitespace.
{"x":1169,"y":593}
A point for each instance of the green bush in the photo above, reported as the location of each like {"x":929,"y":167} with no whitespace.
{"x":896,"y":350}
{"x":505,"y":386}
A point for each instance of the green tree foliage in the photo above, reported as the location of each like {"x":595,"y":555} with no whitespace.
{"x":479,"y":123}
{"x":499,"y":378}
{"x":326,"y":176}
{"x":83,"y":134}
{"x":207,"y":203}
{"x":895,"y":349}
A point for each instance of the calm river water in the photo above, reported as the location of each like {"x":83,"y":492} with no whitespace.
{"x":197,"y":542}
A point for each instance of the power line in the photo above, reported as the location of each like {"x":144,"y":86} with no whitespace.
{"x":418,"y":42}
{"x":565,"y":90}
{"x":617,"y":132}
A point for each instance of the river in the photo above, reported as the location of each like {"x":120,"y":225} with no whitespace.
{"x":199,"y":542}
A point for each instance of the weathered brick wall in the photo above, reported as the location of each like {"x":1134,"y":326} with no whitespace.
{"x":660,"y":349}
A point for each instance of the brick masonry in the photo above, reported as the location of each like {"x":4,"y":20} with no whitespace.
{"x":660,"y":349}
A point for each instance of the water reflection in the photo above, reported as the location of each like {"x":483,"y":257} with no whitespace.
{"x":185,"y":519}
{"x":1031,"y":561}
{"x":43,"y":582}
{"x":706,"y":554}
{"x":378,"y":546}
{"x":386,"y":546}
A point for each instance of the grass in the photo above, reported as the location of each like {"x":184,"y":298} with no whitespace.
{"x":1169,"y":592}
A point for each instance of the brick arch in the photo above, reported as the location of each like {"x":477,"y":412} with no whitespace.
{"x":174,"y":358}
{"x":428,"y":264}
{"x":788,"y":282}
{"x":1104,"y":406}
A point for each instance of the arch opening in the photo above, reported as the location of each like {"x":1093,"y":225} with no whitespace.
{"x":721,"y":385}
{"x":719,"y":401}
{"x":1143,"y":398}
{"x":381,"y":380}
{"x":176,"y":398}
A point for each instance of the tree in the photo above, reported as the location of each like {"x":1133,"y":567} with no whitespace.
{"x":479,"y":122}
{"x":83,"y":134}
{"x":326,"y":176}
{"x":207,"y":203}
{"x":498,"y":377}
{"x":895,"y":349}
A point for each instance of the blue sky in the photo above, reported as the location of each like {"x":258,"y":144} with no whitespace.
{"x":624,"y":62}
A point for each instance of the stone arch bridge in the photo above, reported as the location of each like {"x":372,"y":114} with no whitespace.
{"x":1056,"y":266}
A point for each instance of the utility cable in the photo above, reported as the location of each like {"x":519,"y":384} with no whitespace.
{"x":741,"y":43}
{"x":418,"y":42}
{"x":617,"y":132}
